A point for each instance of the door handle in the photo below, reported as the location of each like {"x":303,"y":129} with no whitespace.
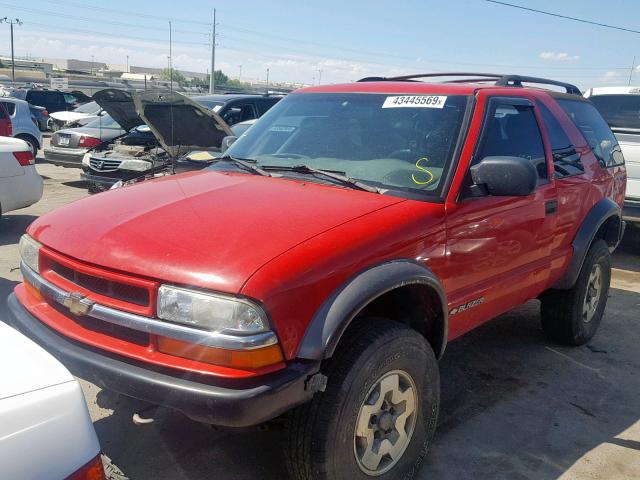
{"x":551,"y":207}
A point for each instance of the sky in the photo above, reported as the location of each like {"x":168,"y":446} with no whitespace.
{"x":345,"y":40}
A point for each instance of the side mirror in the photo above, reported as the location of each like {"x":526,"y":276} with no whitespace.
{"x":227,"y":142}
{"x":505,"y":176}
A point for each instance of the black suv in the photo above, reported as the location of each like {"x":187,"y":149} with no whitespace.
{"x":235,"y":108}
{"x":51,"y":100}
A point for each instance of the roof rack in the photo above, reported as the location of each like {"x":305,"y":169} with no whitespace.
{"x":501,"y":80}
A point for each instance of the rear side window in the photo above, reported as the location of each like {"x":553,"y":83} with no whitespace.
{"x":620,"y":111}
{"x":39,"y":98}
{"x":10,"y":106}
{"x":566,"y":160}
{"x":595,"y":130}
{"x":512,"y":131}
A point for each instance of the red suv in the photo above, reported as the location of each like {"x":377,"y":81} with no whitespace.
{"x":320,"y":266}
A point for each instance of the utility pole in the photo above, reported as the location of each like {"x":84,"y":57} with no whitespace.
{"x":319,"y":77}
{"x":170,"y":60}
{"x":633,"y":65}
{"x":240,"y":73}
{"x":12,"y":22}
{"x":212,"y":77}
{"x":128,"y":64}
{"x":92,"y":65}
{"x":267,"y":80}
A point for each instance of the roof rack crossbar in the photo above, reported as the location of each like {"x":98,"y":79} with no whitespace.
{"x":501,"y":80}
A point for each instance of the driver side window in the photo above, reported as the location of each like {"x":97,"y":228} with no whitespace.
{"x":512,"y":131}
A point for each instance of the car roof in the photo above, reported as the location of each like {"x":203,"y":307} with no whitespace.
{"x":627,"y":90}
{"x":228,"y":97}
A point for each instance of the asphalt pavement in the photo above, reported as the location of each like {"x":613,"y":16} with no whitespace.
{"x":514,"y":406}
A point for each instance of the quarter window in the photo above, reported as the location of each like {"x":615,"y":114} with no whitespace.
{"x":566,"y":160}
{"x":11,"y":107}
{"x":513,"y":132}
{"x":595,"y":130}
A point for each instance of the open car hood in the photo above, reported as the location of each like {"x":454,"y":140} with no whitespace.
{"x":119,"y":104}
{"x":179,"y":123}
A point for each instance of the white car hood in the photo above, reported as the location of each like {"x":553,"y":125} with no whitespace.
{"x":25,"y":366}
{"x":69,"y":116}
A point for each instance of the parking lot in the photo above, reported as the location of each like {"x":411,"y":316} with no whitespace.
{"x":513,"y":405}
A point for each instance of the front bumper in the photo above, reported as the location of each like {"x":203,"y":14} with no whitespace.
{"x":631,"y":210}
{"x":65,"y":157}
{"x":219,"y":402}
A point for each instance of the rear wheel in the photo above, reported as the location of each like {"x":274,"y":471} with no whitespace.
{"x":378,"y":413}
{"x":33,"y":144}
{"x":573,"y":316}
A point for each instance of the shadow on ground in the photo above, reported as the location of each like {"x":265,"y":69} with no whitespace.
{"x":76,"y":184}
{"x":513,"y":406}
{"x":12,"y":227}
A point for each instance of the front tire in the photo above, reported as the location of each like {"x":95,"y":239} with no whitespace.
{"x":378,"y":413}
{"x":572,"y":317}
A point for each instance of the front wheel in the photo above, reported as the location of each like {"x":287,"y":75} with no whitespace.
{"x":378,"y":413}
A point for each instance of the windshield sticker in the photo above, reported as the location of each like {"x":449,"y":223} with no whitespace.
{"x":415,"y":101}
{"x":282,"y":128}
{"x":427,"y":178}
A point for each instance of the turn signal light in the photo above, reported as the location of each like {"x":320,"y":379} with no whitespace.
{"x":88,"y":141}
{"x":242,"y":359}
{"x":90,"y":471}
{"x":24,"y":158}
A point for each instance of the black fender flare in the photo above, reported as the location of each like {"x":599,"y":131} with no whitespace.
{"x":597,"y":216}
{"x":340,"y":308}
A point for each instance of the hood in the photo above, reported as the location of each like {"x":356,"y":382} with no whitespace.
{"x":119,"y":104}
{"x":69,"y":116}
{"x":32,"y":368}
{"x":207,"y":228}
{"x":179,"y":123}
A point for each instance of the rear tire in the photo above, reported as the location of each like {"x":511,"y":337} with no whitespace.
{"x":382,"y":395}
{"x":572,"y":317}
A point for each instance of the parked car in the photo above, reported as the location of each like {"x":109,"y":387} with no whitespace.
{"x":235,"y":108}
{"x":41,"y":116}
{"x":195,"y":127}
{"x":6,"y":128}
{"x":20,"y":184}
{"x":620,"y":107}
{"x":68,"y":146}
{"x":52,"y":100}
{"x":77,"y":117}
{"x":24,"y":125}
{"x":323,"y":264}
{"x":45,"y":428}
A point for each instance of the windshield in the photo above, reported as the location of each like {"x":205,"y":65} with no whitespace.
{"x":91,"y":107}
{"x":395,"y":142}
{"x":620,"y":111}
{"x":104,"y":121}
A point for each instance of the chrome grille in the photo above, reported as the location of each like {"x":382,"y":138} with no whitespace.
{"x":104,"y":164}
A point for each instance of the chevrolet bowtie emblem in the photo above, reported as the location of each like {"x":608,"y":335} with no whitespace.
{"x":77,"y":303}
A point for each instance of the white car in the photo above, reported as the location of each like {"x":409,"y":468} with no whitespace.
{"x":620,"y":107}
{"x":45,"y":428}
{"x":25,"y":127}
{"x":20,"y":184}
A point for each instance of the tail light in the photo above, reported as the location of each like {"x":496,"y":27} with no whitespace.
{"x":88,"y":142}
{"x":89,"y":471}
{"x":45,"y":113}
{"x":25,"y":158}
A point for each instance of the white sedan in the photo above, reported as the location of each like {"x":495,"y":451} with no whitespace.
{"x":20,"y":184}
{"x":45,"y":429}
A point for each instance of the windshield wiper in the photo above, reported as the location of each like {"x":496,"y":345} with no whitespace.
{"x":245,"y":163}
{"x":334,"y":175}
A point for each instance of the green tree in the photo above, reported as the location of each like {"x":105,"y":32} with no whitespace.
{"x":165,"y":74}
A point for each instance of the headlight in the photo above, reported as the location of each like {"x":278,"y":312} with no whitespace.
{"x":209,"y":311}
{"x":135,"y":165}
{"x":29,"y":251}
{"x":85,"y":159}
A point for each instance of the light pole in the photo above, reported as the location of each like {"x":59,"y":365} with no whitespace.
{"x":319,"y":77}
{"x":12,"y":22}
{"x":212,"y":76}
{"x":267,"y":80}
{"x":240,"y":73}
{"x":128,"y":64}
{"x":92,"y":65}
